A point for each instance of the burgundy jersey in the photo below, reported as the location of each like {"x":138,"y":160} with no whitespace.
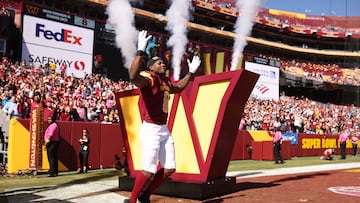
{"x":35,"y":105}
{"x":154,"y":98}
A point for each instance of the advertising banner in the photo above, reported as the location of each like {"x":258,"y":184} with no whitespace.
{"x":267,"y":87}
{"x":292,"y":137}
{"x":36,"y":132}
{"x":46,"y":41}
{"x":46,"y":13}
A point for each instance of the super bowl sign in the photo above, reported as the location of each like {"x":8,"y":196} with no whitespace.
{"x":46,"y":41}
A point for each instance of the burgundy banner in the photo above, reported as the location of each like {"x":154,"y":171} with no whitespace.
{"x":36,"y":132}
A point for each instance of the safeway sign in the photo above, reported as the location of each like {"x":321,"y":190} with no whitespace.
{"x":46,"y":41}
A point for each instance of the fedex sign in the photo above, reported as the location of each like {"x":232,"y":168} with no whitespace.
{"x":47,"y":41}
{"x":64,"y":35}
{"x":60,"y":36}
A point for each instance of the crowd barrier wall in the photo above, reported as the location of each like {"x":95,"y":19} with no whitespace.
{"x":107,"y":140}
{"x":300,"y":145}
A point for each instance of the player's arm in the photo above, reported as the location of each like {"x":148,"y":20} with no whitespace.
{"x":134,"y":73}
{"x":179,"y":86}
{"x":135,"y":67}
{"x":193,"y":66}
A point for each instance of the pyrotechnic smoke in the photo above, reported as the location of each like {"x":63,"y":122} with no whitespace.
{"x":178,"y":16}
{"x":243,"y":27}
{"x":122,"y":18}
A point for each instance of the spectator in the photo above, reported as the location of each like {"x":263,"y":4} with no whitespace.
{"x":81,"y":111}
{"x":49,"y":110}
{"x":65,"y":113}
{"x":106,"y":120}
{"x":5,"y":98}
{"x":11,"y":108}
{"x":36,"y":101}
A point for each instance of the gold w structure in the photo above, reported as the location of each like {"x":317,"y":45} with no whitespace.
{"x":203,"y":121}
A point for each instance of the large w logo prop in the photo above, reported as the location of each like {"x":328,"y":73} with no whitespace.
{"x":203,"y":120}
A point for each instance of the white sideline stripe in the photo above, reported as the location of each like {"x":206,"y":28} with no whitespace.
{"x":292,"y":170}
{"x":100,"y":191}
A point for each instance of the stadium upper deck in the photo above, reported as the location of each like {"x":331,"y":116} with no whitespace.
{"x":327,"y":26}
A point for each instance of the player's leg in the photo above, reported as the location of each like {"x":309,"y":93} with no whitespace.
{"x":150,"y":140}
{"x":167,"y":161}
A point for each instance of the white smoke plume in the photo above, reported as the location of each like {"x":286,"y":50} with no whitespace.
{"x":121,"y":16}
{"x":178,"y":16}
{"x":243,"y":27}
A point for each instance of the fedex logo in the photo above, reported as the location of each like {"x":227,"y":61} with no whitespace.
{"x":62,"y":36}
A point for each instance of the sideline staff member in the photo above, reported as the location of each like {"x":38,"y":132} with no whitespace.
{"x":84,"y":141}
{"x":52,"y":141}
{"x":277,"y":146}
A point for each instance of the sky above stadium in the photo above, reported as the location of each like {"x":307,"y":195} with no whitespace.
{"x":317,"y":7}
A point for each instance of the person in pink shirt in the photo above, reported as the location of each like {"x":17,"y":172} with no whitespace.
{"x":52,"y":141}
{"x":81,"y":110}
{"x":277,"y":146}
{"x":343,"y":138}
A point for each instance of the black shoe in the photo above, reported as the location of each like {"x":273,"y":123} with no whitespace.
{"x":52,"y":175}
{"x":144,"y":198}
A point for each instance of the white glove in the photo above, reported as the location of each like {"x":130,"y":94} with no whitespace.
{"x":143,"y":40}
{"x":194,"y":64}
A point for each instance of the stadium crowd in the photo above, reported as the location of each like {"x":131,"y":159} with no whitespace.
{"x":297,"y":115}
{"x":69,"y":98}
{"x":331,"y":73}
{"x":92,"y":99}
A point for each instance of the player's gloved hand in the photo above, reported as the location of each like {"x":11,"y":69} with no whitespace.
{"x":194,"y":64}
{"x":143,"y":40}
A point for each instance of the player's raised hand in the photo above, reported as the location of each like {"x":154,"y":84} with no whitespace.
{"x":194,"y":64}
{"x":143,"y":40}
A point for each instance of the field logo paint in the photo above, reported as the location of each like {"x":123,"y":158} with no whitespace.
{"x":346,"y":190}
